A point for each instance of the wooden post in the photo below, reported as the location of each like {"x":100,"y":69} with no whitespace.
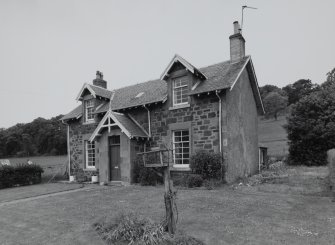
{"x":169,"y":201}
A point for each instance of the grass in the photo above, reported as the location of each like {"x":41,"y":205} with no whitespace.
{"x":274,"y":136}
{"x":16,"y":193}
{"x":221,"y":216}
{"x":52,"y":165}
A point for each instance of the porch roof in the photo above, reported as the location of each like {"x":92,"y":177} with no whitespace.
{"x":127,"y":125}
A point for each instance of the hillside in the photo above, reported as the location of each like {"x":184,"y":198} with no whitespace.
{"x":272,"y":134}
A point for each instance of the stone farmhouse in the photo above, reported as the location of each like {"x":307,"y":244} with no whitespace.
{"x":188,"y":109}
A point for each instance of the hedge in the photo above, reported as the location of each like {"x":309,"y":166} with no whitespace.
{"x":22,"y":174}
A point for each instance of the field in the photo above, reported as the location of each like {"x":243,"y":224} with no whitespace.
{"x":52,"y":165}
{"x":272,"y":134}
{"x":263,"y":214}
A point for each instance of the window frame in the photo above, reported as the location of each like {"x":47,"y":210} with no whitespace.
{"x":87,"y":157}
{"x":89,"y":106}
{"x":182,"y":165}
{"x":174,"y":87}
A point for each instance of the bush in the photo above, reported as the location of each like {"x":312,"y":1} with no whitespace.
{"x":207,"y":164}
{"x":194,"y":180}
{"x":143,"y":175}
{"x":22,"y":174}
{"x":311,"y":128}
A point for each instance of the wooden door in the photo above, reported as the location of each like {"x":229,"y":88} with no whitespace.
{"x":114,"y":158}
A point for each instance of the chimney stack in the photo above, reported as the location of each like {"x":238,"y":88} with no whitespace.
{"x":237,"y":44}
{"x":98,"y":81}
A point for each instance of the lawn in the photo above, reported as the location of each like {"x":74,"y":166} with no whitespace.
{"x":222,"y":216}
{"x":274,"y":136}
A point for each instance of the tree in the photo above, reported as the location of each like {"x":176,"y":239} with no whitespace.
{"x":38,"y":137}
{"x":274,"y":103}
{"x":311,"y":128}
{"x":266,"y":89}
{"x":299,"y":89}
{"x":330,"y":79}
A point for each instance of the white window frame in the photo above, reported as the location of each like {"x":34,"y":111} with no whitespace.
{"x":184,"y":79}
{"x":90,"y":156}
{"x":177,"y":165}
{"x":89,"y":104}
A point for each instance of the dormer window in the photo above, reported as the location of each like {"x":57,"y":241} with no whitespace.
{"x":180,"y":91}
{"x":89,"y":109}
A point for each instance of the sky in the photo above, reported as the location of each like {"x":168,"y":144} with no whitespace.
{"x":49,"y":49}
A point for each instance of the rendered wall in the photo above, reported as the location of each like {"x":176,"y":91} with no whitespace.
{"x":103,"y":156}
{"x":242,"y":130}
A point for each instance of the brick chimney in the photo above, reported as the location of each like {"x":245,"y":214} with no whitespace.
{"x":98,"y":81}
{"x":237,"y":44}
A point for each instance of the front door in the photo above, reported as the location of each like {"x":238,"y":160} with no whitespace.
{"x":114,"y":158}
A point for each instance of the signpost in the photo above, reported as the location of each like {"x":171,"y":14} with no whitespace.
{"x":160,"y":159}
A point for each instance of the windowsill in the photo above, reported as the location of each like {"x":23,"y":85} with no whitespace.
{"x":180,"y":168}
{"x":179,"y":106}
{"x":89,"y":122}
{"x":90,"y":169}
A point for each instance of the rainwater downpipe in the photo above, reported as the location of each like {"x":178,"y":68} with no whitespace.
{"x":149,"y":120}
{"x":220,"y":131}
{"x":220,"y":126}
{"x":68,"y":147}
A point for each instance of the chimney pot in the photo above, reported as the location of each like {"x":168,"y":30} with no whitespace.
{"x":237,"y":28}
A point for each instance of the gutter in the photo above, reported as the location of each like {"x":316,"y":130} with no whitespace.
{"x":149,"y":120}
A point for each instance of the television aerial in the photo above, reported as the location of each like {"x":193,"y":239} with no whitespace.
{"x":245,"y":7}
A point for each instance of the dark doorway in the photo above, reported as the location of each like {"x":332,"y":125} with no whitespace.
{"x":114,"y":158}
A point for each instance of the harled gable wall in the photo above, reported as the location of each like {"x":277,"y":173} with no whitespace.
{"x":242,"y":130}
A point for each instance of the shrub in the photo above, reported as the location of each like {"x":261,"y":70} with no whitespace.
{"x":194,"y":180}
{"x":311,"y":128}
{"x":131,"y":229}
{"x":143,"y":175}
{"x":138,"y":230}
{"x":207,"y":164}
{"x":22,"y":174}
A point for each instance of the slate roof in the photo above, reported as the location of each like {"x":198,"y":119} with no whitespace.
{"x":130,"y":125}
{"x":102,"y":92}
{"x":75,"y":113}
{"x":153,"y":91}
{"x":219,"y":76}
{"x":125,"y":123}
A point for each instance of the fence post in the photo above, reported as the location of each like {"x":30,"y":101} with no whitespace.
{"x":331,"y":167}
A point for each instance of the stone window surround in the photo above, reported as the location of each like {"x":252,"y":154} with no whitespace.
{"x":88,"y":104}
{"x":175,"y":75}
{"x":87,"y":149}
{"x":86,"y":137}
{"x":181,"y":126}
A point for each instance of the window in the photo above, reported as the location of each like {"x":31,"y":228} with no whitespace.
{"x":90,"y":154}
{"x":181,"y":148}
{"x":89,"y":108}
{"x":180,"y":90}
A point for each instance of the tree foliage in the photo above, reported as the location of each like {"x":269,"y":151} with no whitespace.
{"x":266,"y":89}
{"x":39,"y":137}
{"x":274,"y":103}
{"x":311,"y":127}
{"x":299,"y":89}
